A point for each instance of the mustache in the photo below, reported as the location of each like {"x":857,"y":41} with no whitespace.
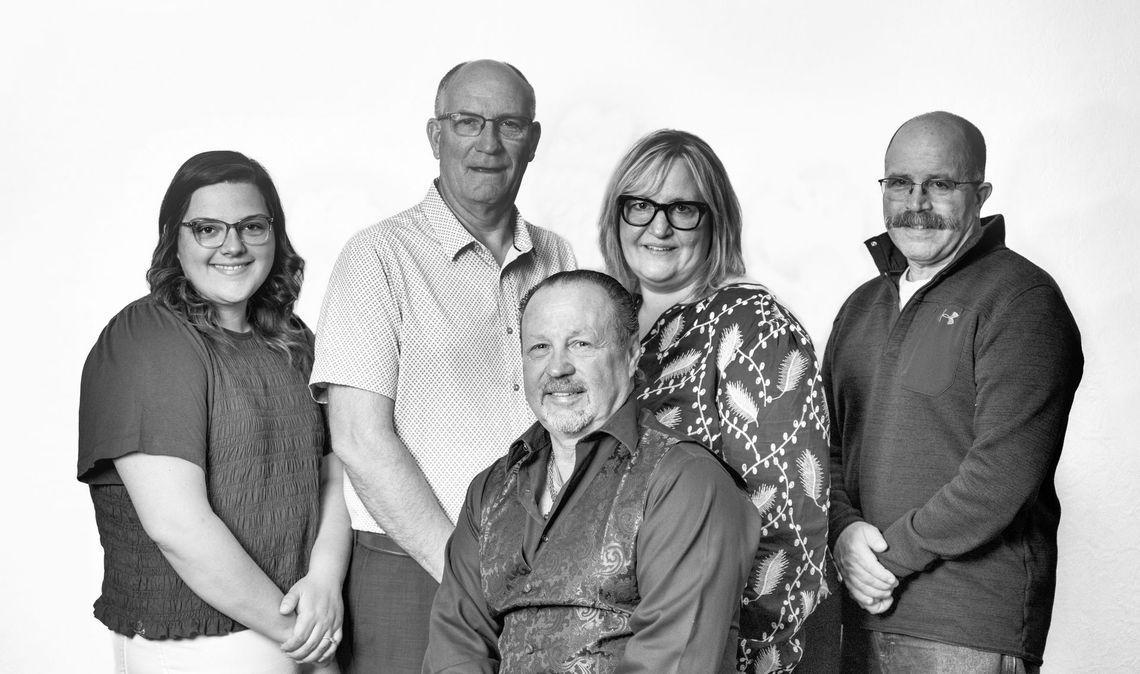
{"x":923,"y":220}
{"x":566,"y":385}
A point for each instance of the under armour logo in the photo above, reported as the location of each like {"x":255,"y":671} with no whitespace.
{"x":949,"y":317}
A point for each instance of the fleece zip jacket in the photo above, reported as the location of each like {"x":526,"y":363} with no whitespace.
{"x":948,"y":422}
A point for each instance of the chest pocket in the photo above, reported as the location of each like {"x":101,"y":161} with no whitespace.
{"x":932,"y":352}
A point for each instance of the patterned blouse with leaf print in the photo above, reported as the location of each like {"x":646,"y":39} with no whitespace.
{"x":737,"y":372}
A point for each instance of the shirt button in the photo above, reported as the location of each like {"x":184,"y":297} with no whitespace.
{"x":545,"y":539}
{"x":510,"y":331}
{"x":528,"y":649}
{"x":528,"y":587}
{"x":515,"y":387}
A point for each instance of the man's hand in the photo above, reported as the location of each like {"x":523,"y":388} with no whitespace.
{"x":867,"y":581}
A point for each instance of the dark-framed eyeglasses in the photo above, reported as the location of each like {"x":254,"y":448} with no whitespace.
{"x":211,"y":233}
{"x":469,"y":124}
{"x":682,"y":215}
{"x":898,"y":188}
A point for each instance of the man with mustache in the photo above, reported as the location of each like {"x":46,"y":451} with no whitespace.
{"x":417,"y":356}
{"x":602,"y":541}
{"x":950,"y":377}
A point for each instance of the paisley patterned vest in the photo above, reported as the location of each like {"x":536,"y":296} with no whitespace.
{"x":569,"y":609}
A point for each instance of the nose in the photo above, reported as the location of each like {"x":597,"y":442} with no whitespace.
{"x":488,"y":140}
{"x":560,"y":364}
{"x":659,"y":226}
{"x":232,"y":245}
{"x":917,"y":199}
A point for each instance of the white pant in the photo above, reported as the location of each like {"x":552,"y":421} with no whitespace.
{"x":245,"y":652}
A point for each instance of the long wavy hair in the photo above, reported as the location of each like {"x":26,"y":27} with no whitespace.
{"x":270,"y":309}
{"x":643,"y":170}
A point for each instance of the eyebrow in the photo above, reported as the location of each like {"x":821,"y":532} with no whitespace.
{"x":237,"y":222}
{"x":509,"y":115}
{"x":931,"y":176}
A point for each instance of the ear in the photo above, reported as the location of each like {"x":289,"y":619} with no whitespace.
{"x":634,"y":357}
{"x":433,"y":131}
{"x":983,"y":192}
{"x":535,"y":134}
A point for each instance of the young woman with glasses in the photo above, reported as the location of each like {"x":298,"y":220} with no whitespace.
{"x":219,"y":507}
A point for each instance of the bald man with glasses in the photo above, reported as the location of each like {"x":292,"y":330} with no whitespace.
{"x":950,"y":377}
{"x":417,"y":355}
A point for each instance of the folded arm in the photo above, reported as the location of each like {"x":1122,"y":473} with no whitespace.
{"x":1028,"y":363}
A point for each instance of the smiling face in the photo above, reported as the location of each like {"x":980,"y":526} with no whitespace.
{"x":666,"y":260}
{"x":484,"y":171}
{"x":576,"y":371}
{"x":227,"y":276}
{"x":928,"y":230}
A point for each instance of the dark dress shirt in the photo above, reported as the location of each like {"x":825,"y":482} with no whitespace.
{"x":692,"y":551}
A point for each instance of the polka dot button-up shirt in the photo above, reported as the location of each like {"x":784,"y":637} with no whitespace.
{"x":419,"y":311}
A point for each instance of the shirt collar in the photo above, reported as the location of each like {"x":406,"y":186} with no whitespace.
{"x":622,"y":426}
{"x":453,"y":237}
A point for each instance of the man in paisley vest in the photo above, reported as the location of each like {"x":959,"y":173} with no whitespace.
{"x":603,"y":541}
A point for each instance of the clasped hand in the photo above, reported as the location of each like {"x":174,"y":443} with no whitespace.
{"x":868,"y":582}
{"x":320,"y":613}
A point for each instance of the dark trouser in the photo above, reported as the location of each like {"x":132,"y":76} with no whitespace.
{"x":885,"y":653}
{"x":387,"y":601}
{"x":821,"y":636}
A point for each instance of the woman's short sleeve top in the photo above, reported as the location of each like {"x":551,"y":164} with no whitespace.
{"x":241,"y":412}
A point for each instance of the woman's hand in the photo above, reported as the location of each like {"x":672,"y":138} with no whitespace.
{"x":320,"y":613}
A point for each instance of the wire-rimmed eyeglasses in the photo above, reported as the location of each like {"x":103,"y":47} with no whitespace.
{"x":211,"y":233}
{"x":898,"y":188}
{"x":470,"y":124}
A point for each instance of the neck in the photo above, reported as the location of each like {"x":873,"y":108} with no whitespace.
{"x":656,"y":302}
{"x":492,"y":225}
{"x":916,"y":271}
{"x":564,"y":451}
{"x":233,"y":319}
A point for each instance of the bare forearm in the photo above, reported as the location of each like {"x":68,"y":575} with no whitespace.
{"x":214,"y":566}
{"x":398,"y":497}
{"x":169,"y":495}
{"x":386,"y":476}
{"x":334,"y":536}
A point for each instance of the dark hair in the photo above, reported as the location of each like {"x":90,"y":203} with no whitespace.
{"x":622,"y":303}
{"x":445,"y":81}
{"x":644,"y":168}
{"x":270,"y":309}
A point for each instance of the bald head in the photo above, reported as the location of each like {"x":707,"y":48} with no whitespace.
{"x":960,"y":141}
{"x":483,"y":70}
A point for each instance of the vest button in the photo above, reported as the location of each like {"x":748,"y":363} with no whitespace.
{"x":528,"y":587}
{"x":528,"y":649}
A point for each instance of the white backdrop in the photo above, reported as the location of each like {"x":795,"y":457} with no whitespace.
{"x":100,"y":103}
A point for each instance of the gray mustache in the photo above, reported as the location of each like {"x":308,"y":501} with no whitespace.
{"x":925,"y":220}
{"x":563,"y":386}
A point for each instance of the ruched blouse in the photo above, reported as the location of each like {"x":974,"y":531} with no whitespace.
{"x":240,"y":411}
